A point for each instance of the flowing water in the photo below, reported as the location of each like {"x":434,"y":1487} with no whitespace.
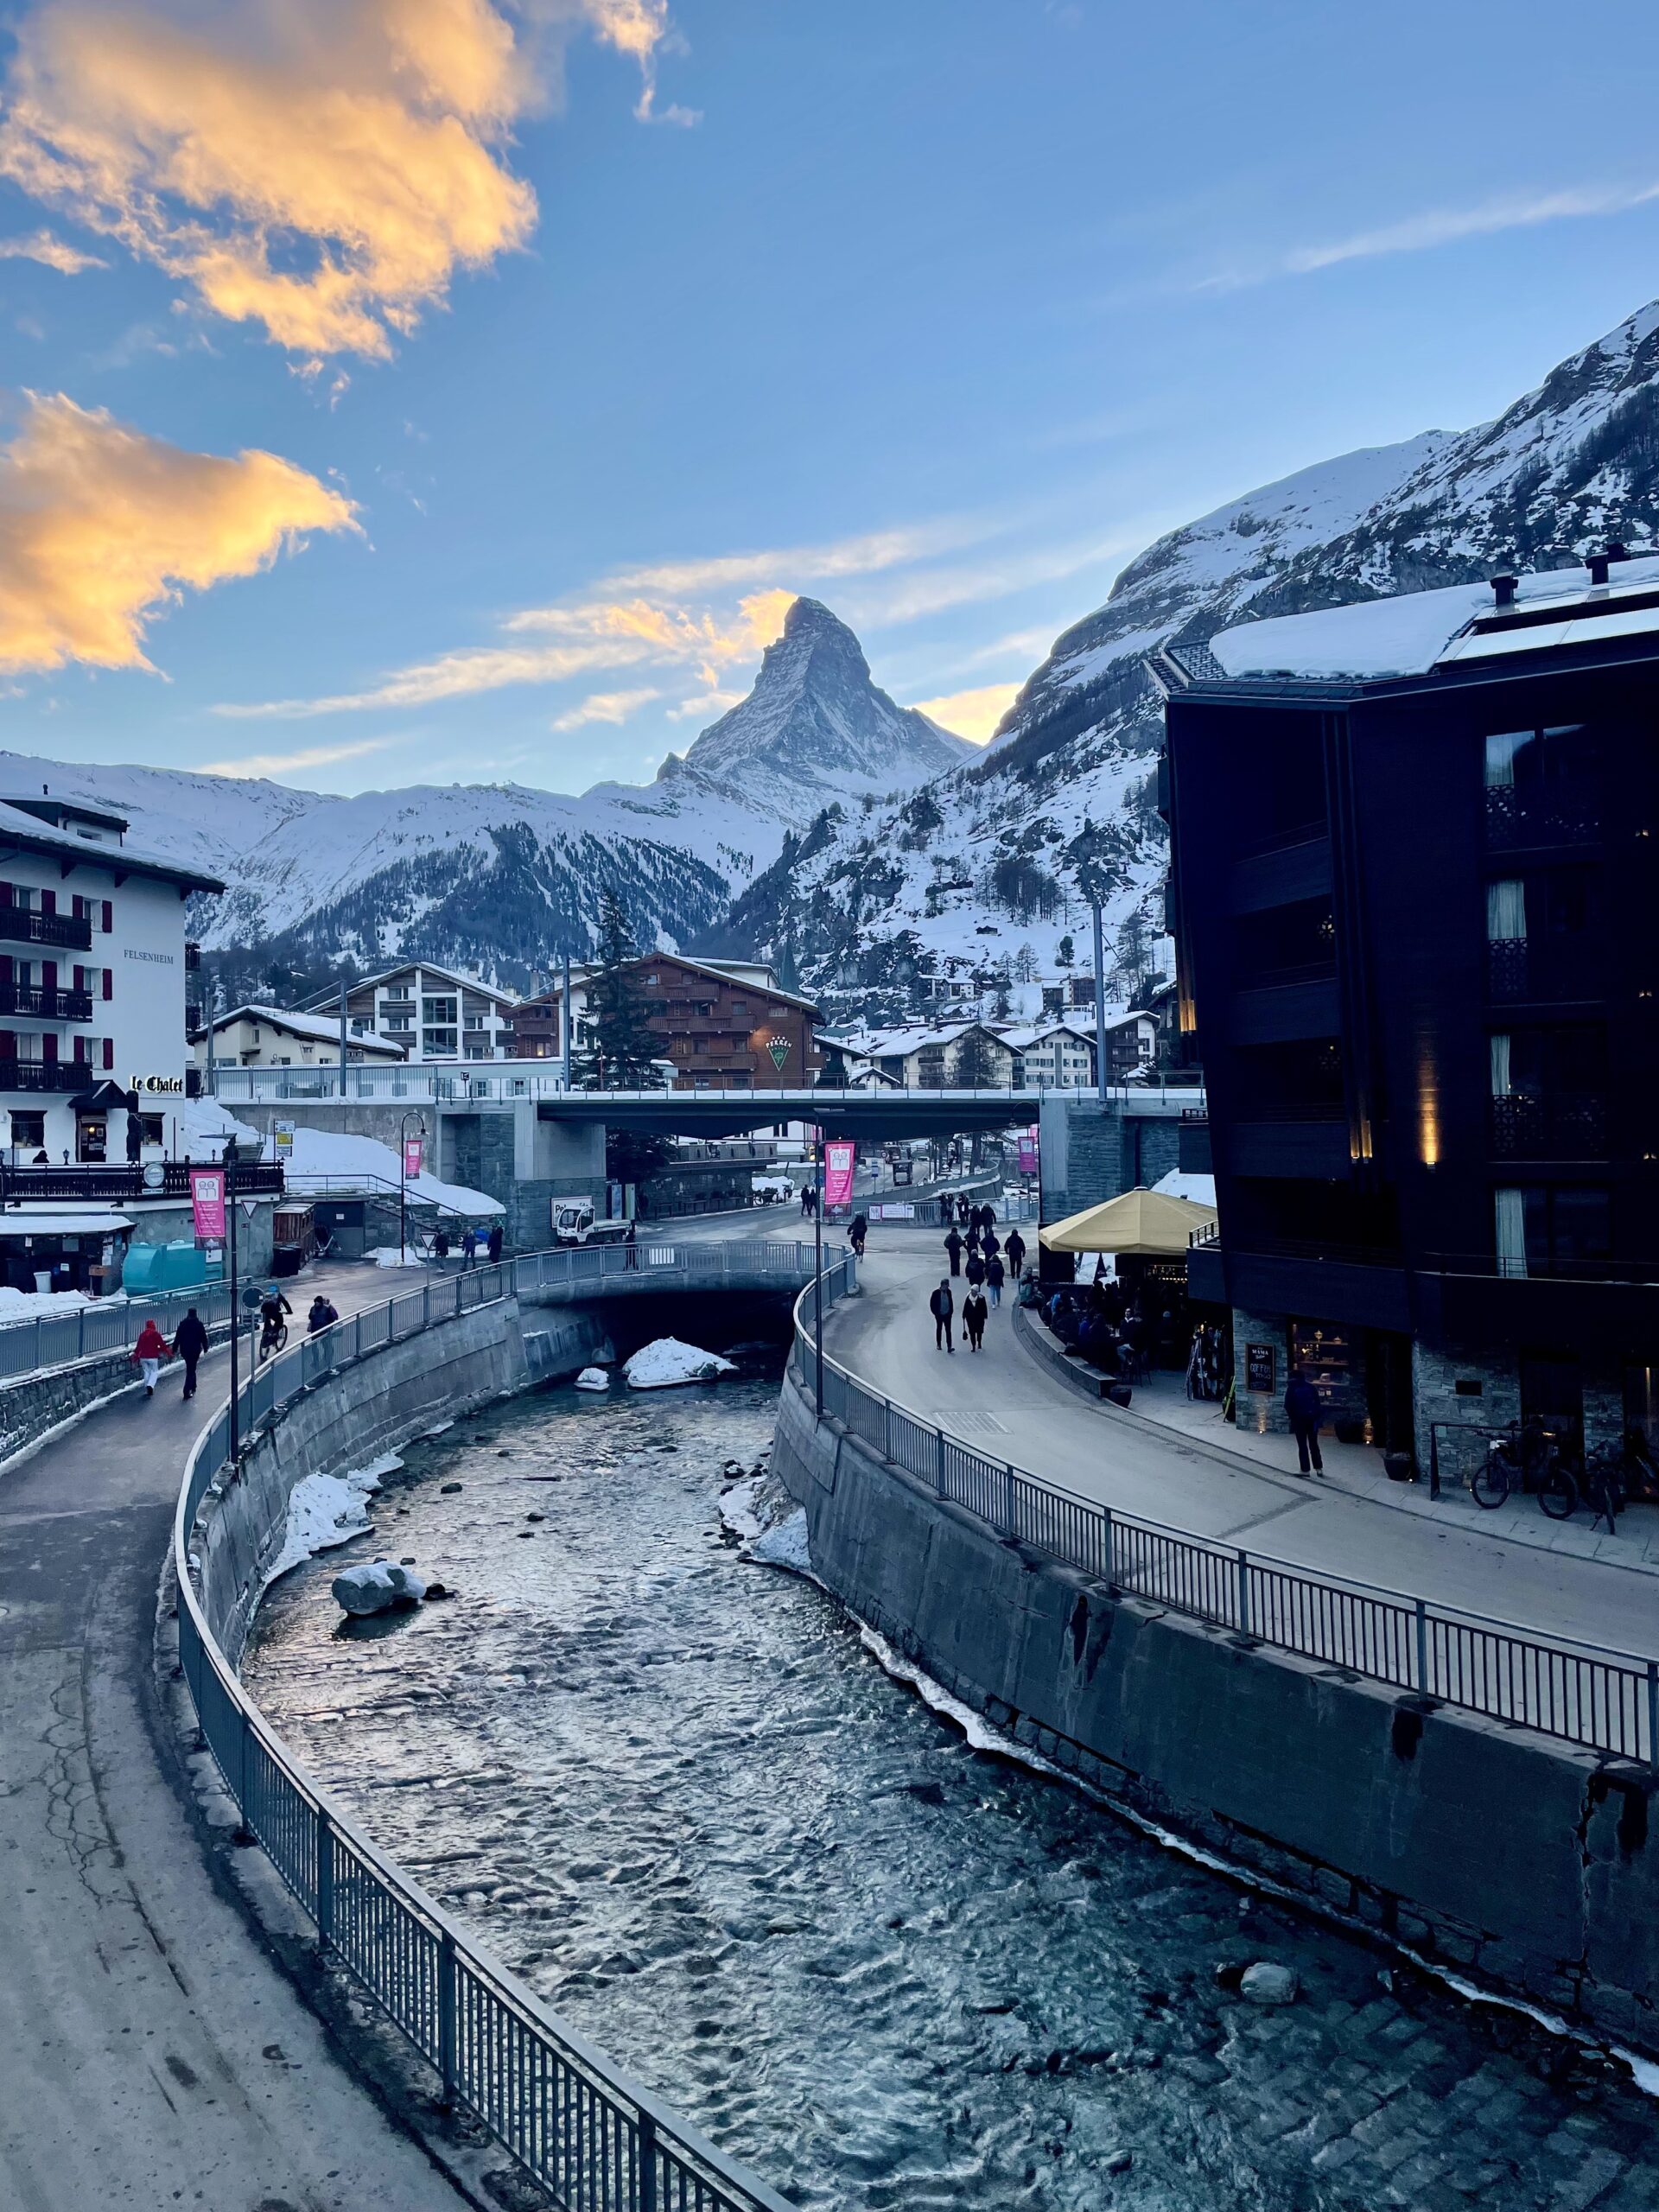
{"x":675,"y":1792}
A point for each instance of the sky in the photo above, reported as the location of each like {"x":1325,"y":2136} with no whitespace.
{"x":399,"y":392}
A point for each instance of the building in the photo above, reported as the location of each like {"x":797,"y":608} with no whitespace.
{"x":961,"y":1056}
{"x":1054,"y":1053}
{"x":725,"y":1025}
{"x":270,"y":1037}
{"x":1415,"y":864}
{"x":430,"y":1012}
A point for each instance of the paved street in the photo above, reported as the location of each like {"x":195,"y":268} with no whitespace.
{"x":1002,"y":1402}
{"x":150,"y":2054}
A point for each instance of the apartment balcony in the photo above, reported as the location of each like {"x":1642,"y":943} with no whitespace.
{"x":1516,"y":820}
{"x":22,"y":925}
{"x":192,"y":958}
{"x":1548,"y":1128}
{"x":120,"y":1184}
{"x":43,"y":1004}
{"x":1519,"y":972}
{"x":1304,"y":1139}
{"x":1286,"y":1010}
{"x":64,"y":1076}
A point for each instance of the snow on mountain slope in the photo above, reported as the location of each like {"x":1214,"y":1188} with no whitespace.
{"x":871,"y":907}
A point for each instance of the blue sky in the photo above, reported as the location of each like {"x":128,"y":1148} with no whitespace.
{"x":583,"y":335}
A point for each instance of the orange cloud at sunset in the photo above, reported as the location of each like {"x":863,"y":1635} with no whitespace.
{"x":100,"y":526}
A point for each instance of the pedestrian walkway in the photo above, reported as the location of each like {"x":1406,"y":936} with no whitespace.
{"x":151,"y":2054}
{"x":1002,"y":1402}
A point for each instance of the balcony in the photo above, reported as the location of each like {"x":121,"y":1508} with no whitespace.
{"x":119,"y":1184}
{"x":43,"y":1004}
{"x":192,"y":958}
{"x":1548,"y":1128}
{"x":1518,"y":970}
{"x":63,"y":1076}
{"x":1286,"y":1010}
{"x":1517,"y":819}
{"x":22,"y":925}
{"x":1304,"y":1141}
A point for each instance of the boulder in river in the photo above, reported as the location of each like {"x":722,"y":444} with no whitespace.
{"x":660,"y":1365}
{"x":593,"y":1378}
{"x":377,"y":1586}
{"x":1266,"y":1983}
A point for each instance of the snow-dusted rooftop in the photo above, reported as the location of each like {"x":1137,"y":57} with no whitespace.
{"x":1409,"y":634}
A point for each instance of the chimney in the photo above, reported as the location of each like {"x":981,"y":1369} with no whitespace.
{"x":1617,"y":549}
{"x":1597,"y":564}
{"x":1504,"y":590}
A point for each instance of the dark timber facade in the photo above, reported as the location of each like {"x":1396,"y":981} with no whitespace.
{"x":1417,"y":917}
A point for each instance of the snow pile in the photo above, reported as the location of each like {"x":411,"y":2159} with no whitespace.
{"x":771,"y":1529}
{"x":206,"y":1128}
{"x":593,"y":1378}
{"x":377,"y":1588}
{"x":658,"y":1366}
{"x":330,"y":1158}
{"x":396,"y":1256}
{"x":328,"y":1509}
{"x":23,"y":1305}
{"x":785,"y":1545}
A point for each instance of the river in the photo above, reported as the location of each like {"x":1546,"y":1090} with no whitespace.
{"x":677,"y":1793}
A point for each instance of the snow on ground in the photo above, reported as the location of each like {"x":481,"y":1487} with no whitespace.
{"x":658,"y":1366}
{"x":24,"y":1305}
{"x":397,"y":1256}
{"x":321,"y":1155}
{"x":328,"y":1509}
{"x":207,"y":1127}
{"x":771,"y":1529}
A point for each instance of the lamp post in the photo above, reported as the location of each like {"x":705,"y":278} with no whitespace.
{"x":236,"y":1305}
{"x":403,"y":1121}
{"x":1100,"y":1006}
{"x":818,"y":1275}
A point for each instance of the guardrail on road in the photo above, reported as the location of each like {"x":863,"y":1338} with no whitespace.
{"x":1604,"y":1701}
{"x":593,"y":2137}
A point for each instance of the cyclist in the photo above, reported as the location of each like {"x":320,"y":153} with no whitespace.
{"x":272,"y":1327}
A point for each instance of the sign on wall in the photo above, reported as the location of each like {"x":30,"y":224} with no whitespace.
{"x":1259,"y":1368}
{"x":414,"y":1155}
{"x":284,"y":1133}
{"x":778,"y":1048}
{"x":171,"y":1086}
{"x":839,"y":1155}
{"x":208,"y":1202}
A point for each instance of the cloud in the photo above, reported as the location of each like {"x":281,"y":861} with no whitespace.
{"x":710,"y":703}
{"x":100,"y":526}
{"x":972,"y":714}
{"x":607,"y":707}
{"x":282,"y":764}
{"x":932,"y":591}
{"x":637,"y":27}
{"x":320,"y":167}
{"x":1438,"y":226}
{"x":53,"y":252}
{"x":864,"y":554}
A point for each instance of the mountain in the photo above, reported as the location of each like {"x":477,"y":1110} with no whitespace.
{"x":986,"y":864}
{"x":502,"y":878}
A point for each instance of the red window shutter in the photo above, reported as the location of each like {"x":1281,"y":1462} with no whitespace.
{"x":109,"y":916}
{"x":48,"y":1049}
{"x":80,"y":979}
{"x":5,"y":967}
{"x":80,"y":1051}
{"x":48,"y":974}
{"x":109,"y":1053}
{"x":48,"y":902}
{"x":5,"y":894}
{"x":109,"y":982}
{"x":8,"y":1044}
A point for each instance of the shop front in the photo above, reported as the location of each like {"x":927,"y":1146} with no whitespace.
{"x":42,"y":1250}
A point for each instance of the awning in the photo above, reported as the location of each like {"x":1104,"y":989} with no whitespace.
{"x":91,"y":1221}
{"x":1141,"y":1223}
{"x":102,"y":1098}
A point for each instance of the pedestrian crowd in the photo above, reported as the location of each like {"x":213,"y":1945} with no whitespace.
{"x":986,"y":1263}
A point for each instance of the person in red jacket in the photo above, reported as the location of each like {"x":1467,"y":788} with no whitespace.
{"x":151,"y":1349}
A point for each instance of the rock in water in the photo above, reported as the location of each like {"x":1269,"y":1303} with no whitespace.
{"x":593,"y":1378}
{"x":377,"y":1586}
{"x":658,"y":1366}
{"x":1267,"y":1984}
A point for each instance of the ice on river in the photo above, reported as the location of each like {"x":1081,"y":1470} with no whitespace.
{"x":661,"y":1364}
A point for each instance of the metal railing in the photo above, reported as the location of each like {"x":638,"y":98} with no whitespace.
{"x":594,"y":2138}
{"x":57,"y":1340}
{"x":111,"y":1182}
{"x":1601,"y":1699}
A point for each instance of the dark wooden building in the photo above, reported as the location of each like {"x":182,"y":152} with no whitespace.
{"x":1416,"y":872}
{"x":724,"y":1026}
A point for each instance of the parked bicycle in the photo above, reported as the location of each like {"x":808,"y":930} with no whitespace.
{"x":1526,"y":1457}
{"x":1617,"y":1475}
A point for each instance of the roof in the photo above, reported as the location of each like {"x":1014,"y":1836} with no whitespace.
{"x":21,"y":831}
{"x":1141,"y":1222}
{"x":427,"y":968}
{"x":719,"y":971}
{"x":314,"y":1026}
{"x":91,"y":1221}
{"x":1412,"y":633}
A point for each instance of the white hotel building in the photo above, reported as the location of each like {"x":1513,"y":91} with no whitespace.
{"x":92,"y":986}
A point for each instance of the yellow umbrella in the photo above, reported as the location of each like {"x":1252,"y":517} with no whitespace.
{"x":1149,"y":1224}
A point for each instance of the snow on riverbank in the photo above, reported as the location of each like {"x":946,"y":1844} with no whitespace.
{"x":324,"y":1510}
{"x":660,"y":1365}
{"x":771,"y":1529}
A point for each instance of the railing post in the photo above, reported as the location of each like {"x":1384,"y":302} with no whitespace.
{"x":647,"y":2174}
{"x":1653,"y":1712}
{"x":1423,"y":1646}
{"x":426,"y":1305}
{"x":886,"y":1432}
{"x":244,"y":1731}
{"x":447,"y":2016}
{"x":938,"y":1440}
{"x":1007,"y":1499}
{"x":1244,"y":1592}
{"x":325,"y":1876}
{"x":1110,"y":1559}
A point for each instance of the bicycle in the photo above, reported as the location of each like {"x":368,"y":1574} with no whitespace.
{"x":1617,"y":1475}
{"x":1521,"y":1457}
{"x":273,"y":1340}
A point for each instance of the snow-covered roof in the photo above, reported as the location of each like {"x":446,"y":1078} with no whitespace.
{"x":454,"y":975}
{"x":1414,"y":632}
{"x":314,"y":1026}
{"x":27,"y":831}
{"x":896,"y":1044}
{"x":321,"y":1157}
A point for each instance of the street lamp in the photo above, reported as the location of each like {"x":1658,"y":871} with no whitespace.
{"x":403,"y":1121}
{"x":818,"y":1275}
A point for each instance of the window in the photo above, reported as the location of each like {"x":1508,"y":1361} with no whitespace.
{"x":1549,"y":1089}
{"x":1540,"y":786}
{"x":29,"y":1130}
{"x":441,"y":1009}
{"x":1546,"y":1230}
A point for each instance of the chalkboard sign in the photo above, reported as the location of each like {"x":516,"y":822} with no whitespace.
{"x":1258,"y":1368}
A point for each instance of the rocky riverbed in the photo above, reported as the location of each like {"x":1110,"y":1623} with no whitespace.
{"x":679,"y":1795}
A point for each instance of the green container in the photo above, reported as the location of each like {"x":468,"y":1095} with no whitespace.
{"x":151,"y":1268}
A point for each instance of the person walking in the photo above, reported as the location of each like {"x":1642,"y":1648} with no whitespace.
{"x":806,"y":1200}
{"x":975,"y":1270}
{"x":440,"y":1244}
{"x":987,"y":1243}
{"x":1015,"y":1249}
{"x":953,"y":1246}
{"x":151,"y":1349}
{"x":190,"y":1343}
{"x":993,"y":1280}
{"x":631,"y":1247}
{"x":973,"y":1318}
{"x":857,"y":1229}
{"x":469,"y":1248}
{"x":493,"y":1243}
{"x":323,"y":1315}
{"x":942,"y":1306}
{"x":1305,"y":1411}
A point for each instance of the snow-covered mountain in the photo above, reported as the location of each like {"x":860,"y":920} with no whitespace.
{"x":502,"y":878}
{"x":989,"y":863}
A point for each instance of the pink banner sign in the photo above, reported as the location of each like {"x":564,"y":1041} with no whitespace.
{"x":208,"y":1202}
{"x":414,"y":1154}
{"x":838,"y":1157}
{"x":1028,"y":1152}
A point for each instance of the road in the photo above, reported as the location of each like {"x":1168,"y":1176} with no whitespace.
{"x":1004,"y":1405}
{"x":150,"y":2053}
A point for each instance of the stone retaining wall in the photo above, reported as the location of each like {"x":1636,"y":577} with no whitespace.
{"x":1486,"y":1847}
{"x":35,"y":1406}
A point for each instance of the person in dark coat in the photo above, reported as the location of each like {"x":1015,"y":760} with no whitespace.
{"x":953,"y":1246}
{"x":1305,"y":1411}
{"x":323,"y":1315}
{"x":973,"y":1318}
{"x":190,"y":1341}
{"x":975,"y":1268}
{"x":989,"y":1243}
{"x":469,"y":1246}
{"x":942,"y":1306}
{"x":440,"y":1244}
{"x":493,"y":1243}
{"x":857,"y":1229}
{"x":1015,"y":1251}
{"x":993,"y":1278}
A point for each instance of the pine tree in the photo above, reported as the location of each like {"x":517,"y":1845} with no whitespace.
{"x":975,"y":1069}
{"x":621,"y":1044}
{"x":1067,"y":953}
